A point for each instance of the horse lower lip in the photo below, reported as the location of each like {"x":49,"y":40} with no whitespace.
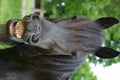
{"x":12,"y":29}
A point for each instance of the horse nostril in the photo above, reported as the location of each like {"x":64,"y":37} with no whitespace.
{"x":31,"y":17}
{"x":26,"y":18}
{"x":34,"y":16}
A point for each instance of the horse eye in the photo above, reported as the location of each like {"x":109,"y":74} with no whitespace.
{"x":35,"y":38}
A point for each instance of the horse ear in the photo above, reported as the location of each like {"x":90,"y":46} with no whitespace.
{"x":107,"y":22}
{"x":105,"y":52}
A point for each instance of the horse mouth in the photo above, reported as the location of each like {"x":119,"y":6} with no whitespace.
{"x":17,"y":29}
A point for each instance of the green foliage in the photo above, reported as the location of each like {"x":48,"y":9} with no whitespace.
{"x":9,"y":9}
{"x":84,"y":73}
{"x":113,"y":34}
{"x":91,"y":8}
{"x":3,"y":45}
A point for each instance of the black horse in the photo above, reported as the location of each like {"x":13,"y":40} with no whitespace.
{"x":47,"y":50}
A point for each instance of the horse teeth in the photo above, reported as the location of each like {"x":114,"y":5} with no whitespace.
{"x":18,"y":36}
{"x":17,"y":31}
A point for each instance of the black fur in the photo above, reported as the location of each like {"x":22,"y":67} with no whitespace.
{"x":53,"y":50}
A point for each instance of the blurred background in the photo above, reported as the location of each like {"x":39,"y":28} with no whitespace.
{"x":93,"y":9}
